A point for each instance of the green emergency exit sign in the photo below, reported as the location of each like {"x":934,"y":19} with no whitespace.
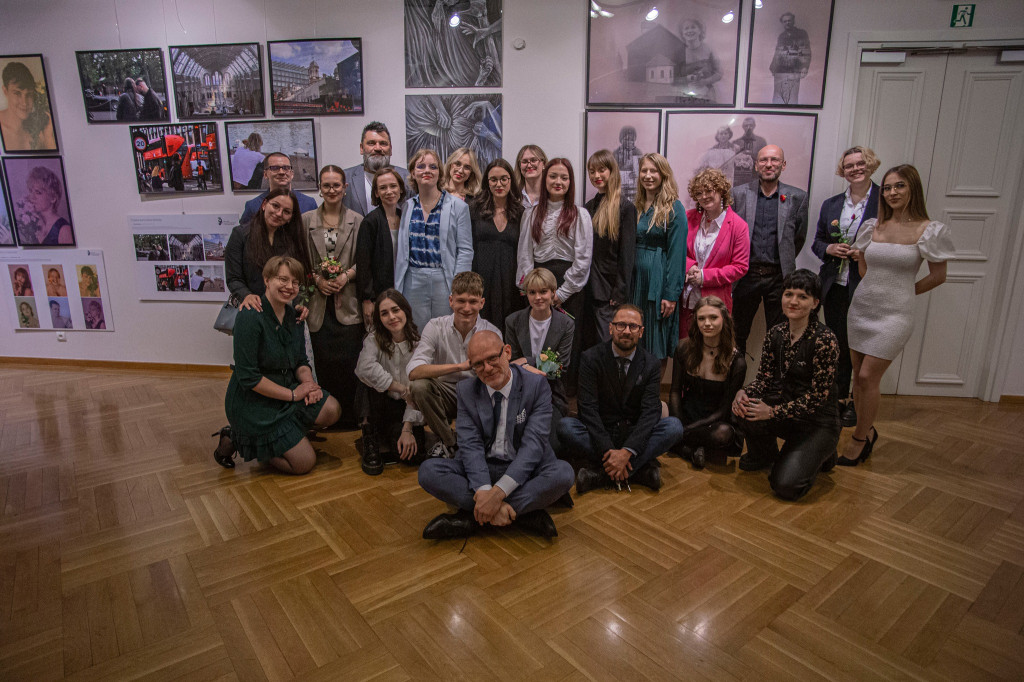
{"x":963,"y":16}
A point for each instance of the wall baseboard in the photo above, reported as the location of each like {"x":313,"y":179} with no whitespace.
{"x":115,"y":365}
{"x":1011,"y":399}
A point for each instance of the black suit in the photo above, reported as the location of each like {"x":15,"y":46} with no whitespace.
{"x":611,"y":274}
{"x":559,"y":338}
{"x":375,"y":255}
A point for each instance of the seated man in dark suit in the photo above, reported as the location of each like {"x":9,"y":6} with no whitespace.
{"x":620,"y":432}
{"x":505,"y":470}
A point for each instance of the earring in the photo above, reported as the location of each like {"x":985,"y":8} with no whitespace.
{"x":321,"y":195}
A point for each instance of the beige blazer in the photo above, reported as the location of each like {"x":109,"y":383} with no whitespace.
{"x":346,"y":303}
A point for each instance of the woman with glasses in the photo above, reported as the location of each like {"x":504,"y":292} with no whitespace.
{"x":435,"y":240}
{"x":839,"y":222}
{"x":335,"y":318}
{"x":889,"y":252}
{"x":496,"y":213}
{"x":530,"y":163}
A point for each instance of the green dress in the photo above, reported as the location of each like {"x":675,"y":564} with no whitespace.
{"x":658,"y":274}
{"x":263,"y":428}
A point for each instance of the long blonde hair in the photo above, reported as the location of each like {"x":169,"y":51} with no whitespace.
{"x":667,"y":194}
{"x":606,"y":220}
{"x":473,"y":182}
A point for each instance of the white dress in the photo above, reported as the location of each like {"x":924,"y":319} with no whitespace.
{"x":881,"y":316}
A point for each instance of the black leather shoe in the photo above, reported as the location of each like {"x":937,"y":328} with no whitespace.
{"x":565,"y":501}
{"x":848,"y":414}
{"x":649,"y":475}
{"x":830,"y":462}
{"x":698,"y":458}
{"x":748,"y":463}
{"x":537,"y":522}
{"x":461,"y":524}
{"x":373,"y":463}
{"x":588,"y":479}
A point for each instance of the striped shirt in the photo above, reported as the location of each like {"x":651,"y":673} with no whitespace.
{"x":425,"y":235}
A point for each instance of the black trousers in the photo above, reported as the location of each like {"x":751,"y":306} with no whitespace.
{"x":336,"y":350}
{"x":837,"y":305}
{"x":385,"y":421}
{"x":807,"y":445}
{"x":761,"y":283}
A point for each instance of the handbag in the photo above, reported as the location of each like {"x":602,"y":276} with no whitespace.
{"x":225,"y":321}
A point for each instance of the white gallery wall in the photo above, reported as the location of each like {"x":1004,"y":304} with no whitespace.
{"x":544,"y":102}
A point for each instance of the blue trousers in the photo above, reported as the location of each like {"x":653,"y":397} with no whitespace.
{"x":574,"y":436}
{"x":446,"y":480}
{"x":427,"y":291}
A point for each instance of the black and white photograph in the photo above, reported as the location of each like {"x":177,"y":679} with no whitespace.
{"x":124,"y":86}
{"x":628,"y":134}
{"x":151,"y":247}
{"x":26,"y":114}
{"x":680,"y":53}
{"x":217,"y":81}
{"x":214,"y":245}
{"x":788,"y":56}
{"x":453,"y":43}
{"x":250,"y":142}
{"x":730,"y":141}
{"x":316,"y":77}
{"x":177,"y":158}
{"x":6,"y":229}
{"x":187,"y":247}
{"x":445,"y":123}
{"x":37,"y":188}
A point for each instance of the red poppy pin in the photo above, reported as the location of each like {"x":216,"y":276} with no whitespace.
{"x":782,"y":198}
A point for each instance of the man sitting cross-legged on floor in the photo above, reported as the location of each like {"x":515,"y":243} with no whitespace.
{"x":620,"y":432}
{"x":505,"y":470}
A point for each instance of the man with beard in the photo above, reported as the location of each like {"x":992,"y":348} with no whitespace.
{"x":620,"y":431}
{"x":776,"y":214}
{"x":279,"y":173}
{"x":375,"y":148}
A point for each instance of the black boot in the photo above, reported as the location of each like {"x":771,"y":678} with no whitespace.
{"x":224,"y":453}
{"x":372,"y":462}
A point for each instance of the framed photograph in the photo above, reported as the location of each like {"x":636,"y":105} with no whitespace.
{"x":175,"y":158}
{"x":124,"y":86}
{"x":447,"y":122}
{"x":37,"y":188}
{"x":316,"y":77}
{"x":217,"y":81}
{"x":628,"y":134}
{"x":730,"y":141}
{"x":453,"y":44}
{"x":249,"y":143}
{"x":682,"y":53}
{"x":6,"y":229}
{"x":26,"y":115}
{"x":788,"y":56}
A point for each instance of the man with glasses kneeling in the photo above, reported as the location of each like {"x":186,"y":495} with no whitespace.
{"x":505,"y":471}
{"x":620,"y":431}
{"x":279,"y":173}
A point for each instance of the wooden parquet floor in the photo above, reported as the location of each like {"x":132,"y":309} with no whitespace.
{"x":125,"y":553}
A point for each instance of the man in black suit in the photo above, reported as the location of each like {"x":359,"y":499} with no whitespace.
{"x":375,"y":148}
{"x":620,"y":432}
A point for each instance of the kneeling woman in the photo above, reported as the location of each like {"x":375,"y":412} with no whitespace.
{"x":394,"y":424}
{"x":707,"y":372}
{"x":793,"y":396}
{"x":272,"y":400}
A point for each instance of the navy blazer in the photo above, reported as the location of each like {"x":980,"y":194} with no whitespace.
{"x":355,"y":195}
{"x":792,"y":221}
{"x":527,"y":424}
{"x":831,"y":209}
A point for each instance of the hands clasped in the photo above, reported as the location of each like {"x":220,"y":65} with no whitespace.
{"x":492,"y":508}
{"x":750,"y":408}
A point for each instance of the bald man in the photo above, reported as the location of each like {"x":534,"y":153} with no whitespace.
{"x":505,"y":471}
{"x":776,"y":214}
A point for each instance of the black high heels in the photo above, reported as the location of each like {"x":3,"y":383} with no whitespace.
{"x":224,"y":453}
{"x":865,"y":452}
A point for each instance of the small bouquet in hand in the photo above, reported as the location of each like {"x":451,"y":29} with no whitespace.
{"x":330,"y":268}
{"x":549,"y":363}
{"x":842,"y":238}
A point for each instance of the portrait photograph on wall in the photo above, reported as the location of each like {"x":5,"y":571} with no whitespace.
{"x":26,"y":115}
{"x":453,"y":44}
{"x":217,"y":81}
{"x":628,"y":134}
{"x":177,"y":158}
{"x":788,"y":56}
{"x":50,"y":289}
{"x":317,"y":77}
{"x":21,"y":279}
{"x":6,"y":229}
{"x":249,"y":143}
{"x":730,"y":141}
{"x":37,"y":188}
{"x":56,"y":285}
{"x":60,"y":313}
{"x":680,"y":53}
{"x":124,"y":86}
{"x":449,"y":122}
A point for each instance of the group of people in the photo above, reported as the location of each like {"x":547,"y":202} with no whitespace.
{"x":138,"y":102}
{"x":439,"y":292}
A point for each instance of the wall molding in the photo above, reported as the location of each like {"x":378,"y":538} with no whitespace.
{"x":112,"y":365}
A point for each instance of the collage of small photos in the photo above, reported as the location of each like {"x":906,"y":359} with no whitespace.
{"x":181,"y":257}
{"x":61,"y":293}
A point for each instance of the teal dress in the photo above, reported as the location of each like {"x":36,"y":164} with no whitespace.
{"x":658,"y":274}
{"x":263,"y":428}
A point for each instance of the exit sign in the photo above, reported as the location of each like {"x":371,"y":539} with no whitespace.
{"x":963,"y":16}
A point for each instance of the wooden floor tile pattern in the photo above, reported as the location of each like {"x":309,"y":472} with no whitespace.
{"x":126,"y":553}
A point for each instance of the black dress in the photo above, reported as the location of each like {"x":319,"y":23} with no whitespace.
{"x":494,"y":259}
{"x":704,"y":406}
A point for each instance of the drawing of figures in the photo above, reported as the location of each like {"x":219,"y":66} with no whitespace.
{"x":446,"y":122}
{"x":453,"y":43}
{"x":791,"y":61}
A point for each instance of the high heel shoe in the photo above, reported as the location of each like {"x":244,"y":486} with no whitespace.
{"x":865,"y":451}
{"x":224,"y":453}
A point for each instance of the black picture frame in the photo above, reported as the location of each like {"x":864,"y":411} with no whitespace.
{"x":7,"y":234}
{"x":102,"y":74}
{"x":766,"y":74}
{"x":631,"y":65}
{"x":286,"y":78}
{"x":242,"y":92}
{"x":233,"y":131}
{"x":26,"y":220}
{"x":33,"y":62}
{"x":598,"y":127}
{"x":156,"y":175}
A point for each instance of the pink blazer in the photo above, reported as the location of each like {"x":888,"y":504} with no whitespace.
{"x":730,"y":256}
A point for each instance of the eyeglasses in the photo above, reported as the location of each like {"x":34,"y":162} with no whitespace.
{"x":333,"y":187}
{"x":530,"y":162}
{"x":855,"y":166}
{"x":492,"y":360}
{"x":896,"y":185}
{"x":500,"y":180}
{"x":623,"y":326}
{"x":276,"y":169}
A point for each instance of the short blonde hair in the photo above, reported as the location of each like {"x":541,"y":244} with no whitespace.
{"x":869,"y":158}
{"x":273,"y":266}
{"x":540,"y":278}
{"x":713,"y":179}
{"x":416,"y":159}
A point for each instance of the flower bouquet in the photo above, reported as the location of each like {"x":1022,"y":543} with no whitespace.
{"x":842,"y":238}
{"x":330,"y":268}
{"x":549,"y":363}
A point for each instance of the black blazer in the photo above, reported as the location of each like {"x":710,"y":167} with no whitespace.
{"x":375,"y":256}
{"x":559,"y":338}
{"x":617,"y":415}
{"x":245,"y":277}
{"x":611,"y":269}
{"x":831,"y":209}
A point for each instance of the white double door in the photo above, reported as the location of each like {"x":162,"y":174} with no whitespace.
{"x":957,"y":117}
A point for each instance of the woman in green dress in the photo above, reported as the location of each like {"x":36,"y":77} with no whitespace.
{"x":272,"y":400}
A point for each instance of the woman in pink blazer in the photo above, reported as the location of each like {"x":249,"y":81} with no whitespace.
{"x":717,"y":244}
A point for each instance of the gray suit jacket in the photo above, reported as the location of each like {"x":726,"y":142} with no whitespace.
{"x":559,"y":338}
{"x":356,"y":197}
{"x":792,"y":218}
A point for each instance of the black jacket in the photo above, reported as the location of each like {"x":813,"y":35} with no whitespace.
{"x":831,"y":209}
{"x":611,"y":269}
{"x":375,"y":255}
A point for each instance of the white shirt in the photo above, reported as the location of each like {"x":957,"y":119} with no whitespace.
{"x":195,"y":281}
{"x":577,"y":247}
{"x":849,"y":224}
{"x":442,"y":344}
{"x":367,"y":182}
{"x":703,"y":243}
{"x":377,"y":369}
{"x":506,"y":482}
{"x":538,"y":332}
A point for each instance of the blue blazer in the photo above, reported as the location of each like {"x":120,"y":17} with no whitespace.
{"x":831,"y":209}
{"x":528,"y":421}
{"x":456,"y":240}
